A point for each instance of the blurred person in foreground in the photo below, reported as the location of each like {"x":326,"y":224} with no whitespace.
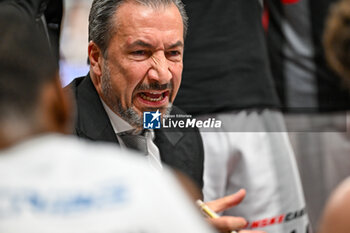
{"x":50,"y":182}
{"x":336,"y":214}
{"x":135,"y":52}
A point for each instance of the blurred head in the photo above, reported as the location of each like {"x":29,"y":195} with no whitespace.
{"x":337,"y":39}
{"x":135,"y":53}
{"x":31,"y":99}
{"x":336,"y":213}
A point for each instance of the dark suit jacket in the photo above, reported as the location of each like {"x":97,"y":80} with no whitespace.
{"x":178,"y":149}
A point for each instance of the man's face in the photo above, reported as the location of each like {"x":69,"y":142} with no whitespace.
{"x":143,"y":68}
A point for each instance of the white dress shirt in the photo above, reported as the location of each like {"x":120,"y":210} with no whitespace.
{"x":119,"y":125}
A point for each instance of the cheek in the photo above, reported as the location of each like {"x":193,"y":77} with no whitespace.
{"x":131,"y":79}
{"x":177,"y":72}
{"x":127,"y":76}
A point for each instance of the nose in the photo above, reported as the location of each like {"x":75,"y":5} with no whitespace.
{"x":160,"y":70}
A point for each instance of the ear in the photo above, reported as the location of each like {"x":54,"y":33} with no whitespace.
{"x":95,"y":58}
{"x":96,"y":64}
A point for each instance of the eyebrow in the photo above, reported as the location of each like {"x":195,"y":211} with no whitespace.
{"x":147,"y":45}
{"x":177,"y":44}
{"x":140,"y":43}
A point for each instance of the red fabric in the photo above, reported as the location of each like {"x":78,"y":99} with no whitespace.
{"x":290,"y":1}
{"x":265,"y":18}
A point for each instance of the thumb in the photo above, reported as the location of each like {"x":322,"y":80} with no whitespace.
{"x":227,"y":202}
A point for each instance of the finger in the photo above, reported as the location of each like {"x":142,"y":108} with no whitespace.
{"x":226,"y":202}
{"x":227,"y":223}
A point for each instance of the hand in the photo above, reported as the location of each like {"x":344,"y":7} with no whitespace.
{"x":229,"y":223}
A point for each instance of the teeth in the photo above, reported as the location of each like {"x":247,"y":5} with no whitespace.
{"x":143,"y":96}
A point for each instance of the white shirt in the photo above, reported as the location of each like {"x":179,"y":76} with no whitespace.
{"x":119,"y":125}
{"x":61,"y":184}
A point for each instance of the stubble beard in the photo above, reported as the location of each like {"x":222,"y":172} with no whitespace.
{"x":129,"y":115}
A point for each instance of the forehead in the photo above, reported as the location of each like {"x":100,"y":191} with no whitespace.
{"x":135,"y":20}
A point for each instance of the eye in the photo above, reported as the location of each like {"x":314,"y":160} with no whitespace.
{"x":139,"y":53}
{"x":173,"y":55}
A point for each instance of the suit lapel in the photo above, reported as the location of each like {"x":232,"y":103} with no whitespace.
{"x":93,"y":121}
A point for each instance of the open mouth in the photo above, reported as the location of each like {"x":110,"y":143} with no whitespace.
{"x":154,"y":96}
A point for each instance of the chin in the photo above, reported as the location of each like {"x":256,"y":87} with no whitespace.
{"x":163,"y":110}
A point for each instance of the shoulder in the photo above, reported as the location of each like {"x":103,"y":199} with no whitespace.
{"x":191,"y":134}
{"x":181,"y":133}
{"x":180,"y":114}
{"x":75,"y":83}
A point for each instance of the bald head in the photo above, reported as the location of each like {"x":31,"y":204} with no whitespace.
{"x":337,"y":212}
